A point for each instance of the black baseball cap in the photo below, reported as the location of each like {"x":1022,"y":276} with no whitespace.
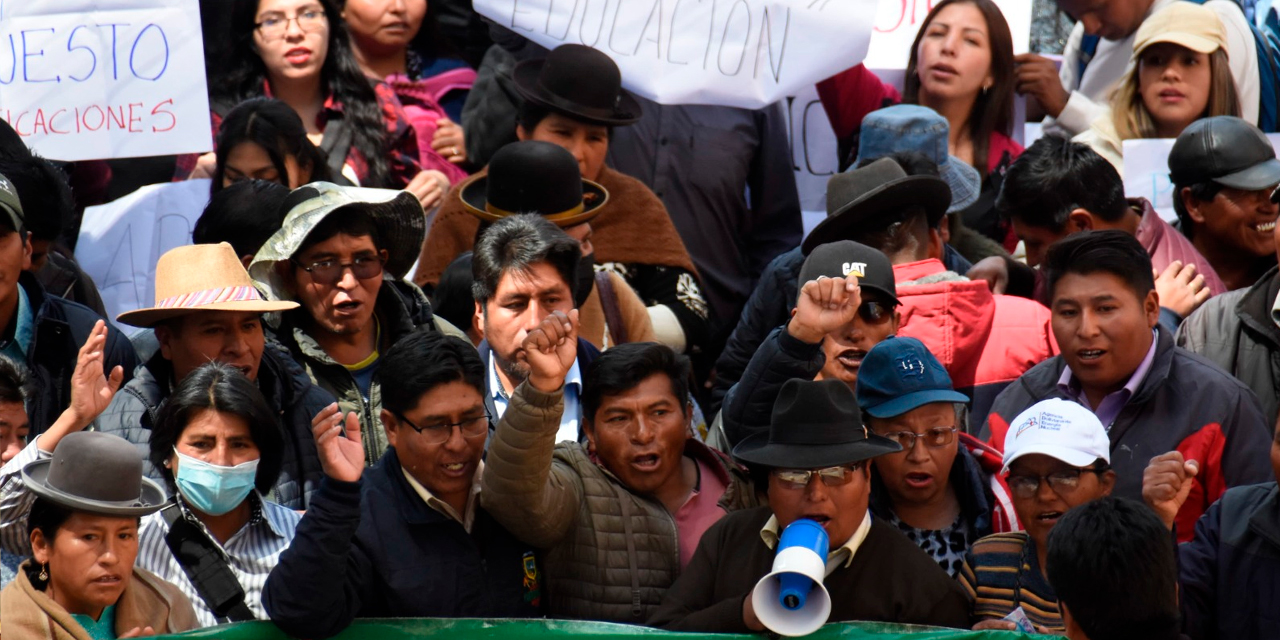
{"x":1225,"y":150}
{"x":844,"y":258}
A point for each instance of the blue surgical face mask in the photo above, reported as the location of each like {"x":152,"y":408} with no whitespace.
{"x":211,"y":488}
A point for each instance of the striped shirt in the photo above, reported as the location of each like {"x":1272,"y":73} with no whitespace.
{"x":251,"y":553}
{"x":1002,"y":573}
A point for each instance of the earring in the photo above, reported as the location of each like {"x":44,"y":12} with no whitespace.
{"x":44,"y":572}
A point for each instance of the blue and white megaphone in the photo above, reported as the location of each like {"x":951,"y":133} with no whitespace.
{"x":791,"y":600}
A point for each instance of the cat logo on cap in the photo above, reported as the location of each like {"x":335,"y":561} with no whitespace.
{"x":854,"y":268}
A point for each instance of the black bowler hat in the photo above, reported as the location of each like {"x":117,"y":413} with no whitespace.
{"x":855,"y":198}
{"x":533,"y":177}
{"x":579,"y":82}
{"x":815,"y":424}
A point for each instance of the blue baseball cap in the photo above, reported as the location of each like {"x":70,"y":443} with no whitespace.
{"x":910,"y":127}
{"x":899,"y":375}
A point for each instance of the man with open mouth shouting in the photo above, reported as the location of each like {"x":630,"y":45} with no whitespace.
{"x":1151,"y":396}
{"x":1057,"y":457}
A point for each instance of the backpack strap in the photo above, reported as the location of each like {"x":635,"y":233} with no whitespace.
{"x":609,"y":302}
{"x":206,"y":567}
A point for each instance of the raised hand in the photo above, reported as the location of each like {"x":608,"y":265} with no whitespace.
{"x":825,"y":304}
{"x":1037,"y":76}
{"x":341,"y":458}
{"x":1180,"y":288}
{"x":1166,"y":482}
{"x":550,"y":350}
{"x":91,"y":387}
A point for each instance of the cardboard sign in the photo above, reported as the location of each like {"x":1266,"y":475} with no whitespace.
{"x":741,"y":53}
{"x":91,"y":79}
{"x":1146,"y":172}
{"x":121,"y":241}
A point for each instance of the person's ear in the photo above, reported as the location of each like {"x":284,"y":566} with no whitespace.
{"x":1079,"y":220}
{"x":1108,"y":482}
{"x":389,"y":426}
{"x":589,"y":430}
{"x":1194,"y":207}
{"x":41,"y":547}
{"x":1151,"y":306}
{"x":522,"y":134}
{"x":896,"y":322}
{"x":284,"y":269}
{"x":944,"y":228}
{"x":935,"y":244}
{"x":246,"y":260}
{"x":164,"y":335}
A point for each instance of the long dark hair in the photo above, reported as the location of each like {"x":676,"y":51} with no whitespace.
{"x":993,"y":109}
{"x":276,"y":127}
{"x":222,"y":388}
{"x":245,"y":77}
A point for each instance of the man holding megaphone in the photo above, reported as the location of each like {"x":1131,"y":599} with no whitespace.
{"x":816,"y":455}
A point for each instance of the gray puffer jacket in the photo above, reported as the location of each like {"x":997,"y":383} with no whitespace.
{"x":1237,"y":331}
{"x":288,"y":391}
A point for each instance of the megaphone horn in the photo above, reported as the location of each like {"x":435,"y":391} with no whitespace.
{"x":791,"y":600}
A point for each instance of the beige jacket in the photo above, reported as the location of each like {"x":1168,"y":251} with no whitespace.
{"x":610,"y":554}
{"x":148,"y":601}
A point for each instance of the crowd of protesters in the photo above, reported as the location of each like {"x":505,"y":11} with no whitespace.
{"x":468,"y":329}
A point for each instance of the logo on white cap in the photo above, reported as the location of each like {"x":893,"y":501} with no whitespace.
{"x":1059,"y":429}
{"x":856,"y":268}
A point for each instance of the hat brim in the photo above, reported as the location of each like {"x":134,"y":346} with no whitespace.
{"x":757,"y":450}
{"x":1260,"y":176}
{"x":1199,"y":44}
{"x":928,"y":192}
{"x":35,"y":477}
{"x":525,"y":75}
{"x":910,"y":401}
{"x":965,"y":183}
{"x":152,"y":316}
{"x":1069,"y":456}
{"x":474,"y":193}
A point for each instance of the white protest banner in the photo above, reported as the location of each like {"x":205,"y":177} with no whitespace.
{"x":1146,"y":172}
{"x":90,"y":79}
{"x":121,"y":241}
{"x":813,"y":154}
{"x":741,"y":53}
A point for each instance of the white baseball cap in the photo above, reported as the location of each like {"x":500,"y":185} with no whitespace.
{"x":1059,"y":429}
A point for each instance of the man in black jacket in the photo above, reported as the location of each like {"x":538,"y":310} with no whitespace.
{"x":406,"y":537}
{"x":41,"y":331}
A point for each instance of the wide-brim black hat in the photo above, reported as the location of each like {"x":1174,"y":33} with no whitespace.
{"x":580,"y":82}
{"x":856,"y":197}
{"x":95,"y":473}
{"x":815,"y":424}
{"x":533,"y":177}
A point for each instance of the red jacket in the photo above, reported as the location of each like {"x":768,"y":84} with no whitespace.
{"x":984,"y":340}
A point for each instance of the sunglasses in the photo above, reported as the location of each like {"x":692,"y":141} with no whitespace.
{"x":875,"y":313}
{"x":328,"y":272}
{"x":830,"y":476}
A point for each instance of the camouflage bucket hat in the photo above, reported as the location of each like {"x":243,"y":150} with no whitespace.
{"x":398,"y":216}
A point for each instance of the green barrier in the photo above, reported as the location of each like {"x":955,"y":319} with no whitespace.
{"x":473,"y":629}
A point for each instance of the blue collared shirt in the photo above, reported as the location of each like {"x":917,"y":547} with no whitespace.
{"x":569,"y":420}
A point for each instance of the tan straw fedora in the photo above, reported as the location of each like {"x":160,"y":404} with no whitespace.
{"x":201,"y":277}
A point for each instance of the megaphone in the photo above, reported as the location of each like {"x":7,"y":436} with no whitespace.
{"x":791,"y":600}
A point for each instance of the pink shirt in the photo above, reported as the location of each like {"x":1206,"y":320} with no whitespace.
{"x":700,"y":511}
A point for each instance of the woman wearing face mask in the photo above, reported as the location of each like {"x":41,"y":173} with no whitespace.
{"x":961,"y":66}
{"x":1179,"y":73}
{"x":220,"y":448}
{"x":397,"y":42}
{"x":79,"y":504}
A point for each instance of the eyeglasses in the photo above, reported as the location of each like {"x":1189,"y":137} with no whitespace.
{"x":440,"y":432}
{"x":275,"y":25}
{"x":330,"y":271}
{"x":933,"y":438}
{"x":831,"y":476}
{"x":1061,"y":482}
{"x":876,"y":313}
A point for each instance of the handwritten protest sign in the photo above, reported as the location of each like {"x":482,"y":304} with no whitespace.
{"x":1146,"y":172}
{"x":743,"y":53}
{"x":88,"y":79}
{"x":121,"y":241}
